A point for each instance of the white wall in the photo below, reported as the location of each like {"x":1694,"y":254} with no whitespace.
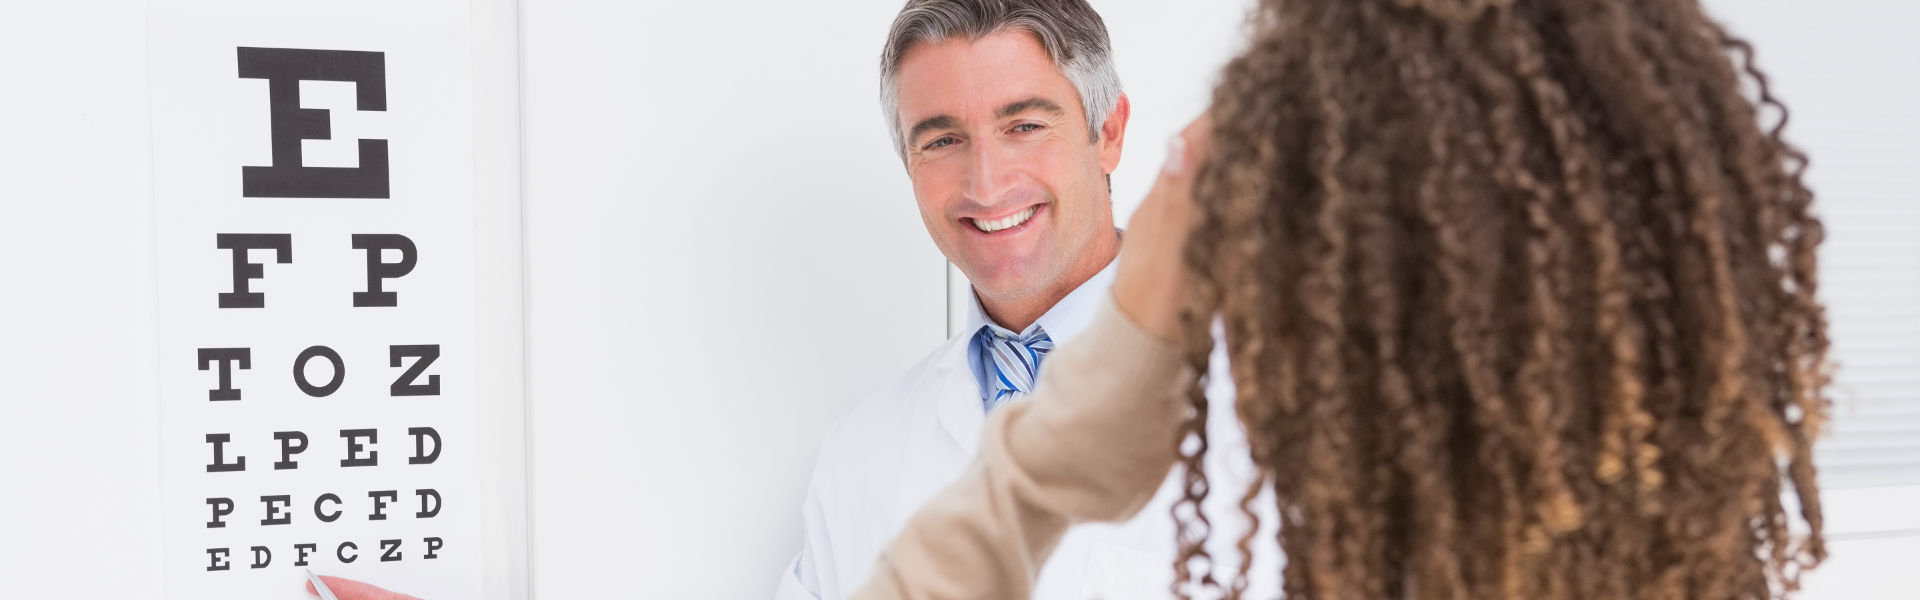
{"x":77,"y":311}
{"x":723,"y":255}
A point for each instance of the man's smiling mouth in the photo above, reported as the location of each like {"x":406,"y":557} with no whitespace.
{"x":1005,"y":223}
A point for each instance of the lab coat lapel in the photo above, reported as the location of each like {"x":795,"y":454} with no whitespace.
{"x":961,"y":412}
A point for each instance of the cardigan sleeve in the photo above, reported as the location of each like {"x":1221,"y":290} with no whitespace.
{"x":1093,"y":443}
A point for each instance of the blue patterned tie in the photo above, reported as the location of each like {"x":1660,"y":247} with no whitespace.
{"x":1014,"y":362}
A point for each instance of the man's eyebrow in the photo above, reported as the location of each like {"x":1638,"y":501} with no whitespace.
{"x":1035,"y":103}
{"x":930,"y":124}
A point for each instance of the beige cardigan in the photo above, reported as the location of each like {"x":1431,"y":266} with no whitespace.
{"x":1093,"y":443}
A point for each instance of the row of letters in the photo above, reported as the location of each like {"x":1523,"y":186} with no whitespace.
{"x":408,"y":384}
{"x":220,"y":559}
{"x":358,"y":453}
{"x":325,"y":507}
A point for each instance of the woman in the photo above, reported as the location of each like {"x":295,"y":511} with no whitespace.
{"x":1520,"y":303}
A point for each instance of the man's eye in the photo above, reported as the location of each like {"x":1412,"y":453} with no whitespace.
{"x":940,"y":143}
{"x":1024,"y":127}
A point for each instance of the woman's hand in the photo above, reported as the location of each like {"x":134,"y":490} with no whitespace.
{"x":1151,"y":284}
{"x":348,"y":589}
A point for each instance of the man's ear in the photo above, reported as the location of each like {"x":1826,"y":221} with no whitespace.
{"x":1113,"y":134}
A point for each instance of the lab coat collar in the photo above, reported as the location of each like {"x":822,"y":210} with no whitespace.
{"x":959,"y":408}
{"x":960,"y":411}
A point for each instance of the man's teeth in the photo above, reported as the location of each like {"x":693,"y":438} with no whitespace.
{"x":1010,"y":221}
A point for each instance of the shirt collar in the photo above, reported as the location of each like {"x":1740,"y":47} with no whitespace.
{"x":1064,"y":320}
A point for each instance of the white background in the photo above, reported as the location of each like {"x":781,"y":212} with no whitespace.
{"x":714,"y":230}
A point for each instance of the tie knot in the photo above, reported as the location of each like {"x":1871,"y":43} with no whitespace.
{"x":1013,"y":361}
{"x":1036,"y":337}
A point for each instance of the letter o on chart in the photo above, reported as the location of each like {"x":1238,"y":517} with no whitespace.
{"x":300,"y":371}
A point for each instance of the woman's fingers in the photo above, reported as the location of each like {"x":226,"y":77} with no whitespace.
{"x":1150,"y":285}
{"x":348,"y":589}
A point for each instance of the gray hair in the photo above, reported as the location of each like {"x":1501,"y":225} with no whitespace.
{"x":1073,"y":34}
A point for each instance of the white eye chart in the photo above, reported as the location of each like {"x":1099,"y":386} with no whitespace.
{"x":312,"y":189}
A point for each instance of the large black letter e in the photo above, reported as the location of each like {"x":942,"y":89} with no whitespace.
{"x":284,"y":69}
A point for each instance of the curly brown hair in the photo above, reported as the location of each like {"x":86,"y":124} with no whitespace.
{"x":1519,"y":298}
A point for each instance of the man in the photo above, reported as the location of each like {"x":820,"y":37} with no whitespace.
{"x":1008,"y":117}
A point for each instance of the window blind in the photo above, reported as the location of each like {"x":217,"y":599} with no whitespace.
{"x":1849,"y":72}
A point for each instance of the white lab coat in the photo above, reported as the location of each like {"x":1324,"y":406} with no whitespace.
{"x":912,"y":437}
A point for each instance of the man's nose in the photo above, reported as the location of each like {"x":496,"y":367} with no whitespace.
{"x":991,"y":174}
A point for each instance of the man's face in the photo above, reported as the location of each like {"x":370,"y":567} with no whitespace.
{"x":1011,"y":184}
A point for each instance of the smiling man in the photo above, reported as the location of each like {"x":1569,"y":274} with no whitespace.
{"x":1009,"y":117}
{"x":1009,"y":172}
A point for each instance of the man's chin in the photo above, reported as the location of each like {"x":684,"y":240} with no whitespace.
{"x":1010,"y":285}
